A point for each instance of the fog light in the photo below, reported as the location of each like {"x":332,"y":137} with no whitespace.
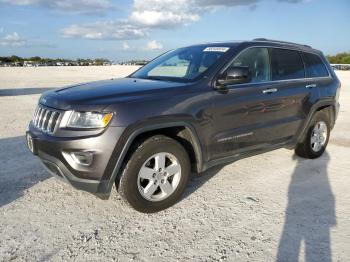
{"x":82,"y":158}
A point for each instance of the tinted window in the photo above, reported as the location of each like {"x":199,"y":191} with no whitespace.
{"x":314,"y":66}
{"x":286,"y":64}
{"x":257,"y":59}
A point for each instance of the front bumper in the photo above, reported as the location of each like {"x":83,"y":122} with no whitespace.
{"x":337,"y":107}
{"x":54,"y":153}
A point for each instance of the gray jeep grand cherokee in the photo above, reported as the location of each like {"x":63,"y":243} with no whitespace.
{"x":187,"y":110}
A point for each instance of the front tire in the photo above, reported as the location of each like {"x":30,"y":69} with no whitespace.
{"x":155,"y":175}
{"x":316,"y":139}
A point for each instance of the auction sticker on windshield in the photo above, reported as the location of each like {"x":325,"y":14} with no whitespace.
{"x":216,"y":49}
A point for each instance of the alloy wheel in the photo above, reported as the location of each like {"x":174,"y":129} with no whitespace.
{"x":159,"y":176}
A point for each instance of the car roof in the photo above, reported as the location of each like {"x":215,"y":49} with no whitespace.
{"x":262,"y":41}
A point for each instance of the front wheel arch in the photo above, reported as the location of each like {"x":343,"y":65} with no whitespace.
{"x":147,"y":193}
{"x":181,"y":131}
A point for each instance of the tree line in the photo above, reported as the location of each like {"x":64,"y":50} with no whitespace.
{"x":341,"y":58}
{"x":50,"y":61}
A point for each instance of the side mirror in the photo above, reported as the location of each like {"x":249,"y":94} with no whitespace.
{"x":235,"y":75}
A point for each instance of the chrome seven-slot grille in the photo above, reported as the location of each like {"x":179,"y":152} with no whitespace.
{"x":46,"y":119}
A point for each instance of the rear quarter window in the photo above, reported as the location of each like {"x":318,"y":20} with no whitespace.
{"x":286,"y":64}
{"x":314,"y":66}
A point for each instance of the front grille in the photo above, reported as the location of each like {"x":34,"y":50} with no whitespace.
{"x":46,"y":119}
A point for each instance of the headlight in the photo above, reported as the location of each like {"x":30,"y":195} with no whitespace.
{"x":88,"y":119}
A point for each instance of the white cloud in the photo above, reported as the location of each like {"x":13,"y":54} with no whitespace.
{"x":73,"y":6}
{"x":163,"y":13}
{"x":126,"y":46}
{"x":154,"y":45}
{"x":15,"y":40}
{"x":169,"y":13}
{"x":223,"y":3}
{"x":147,"y":15}
{"x":104,"y":30}
{"x":12,"y":40}
{"x":162,"y":18}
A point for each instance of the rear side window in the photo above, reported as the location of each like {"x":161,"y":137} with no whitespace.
{"x":286,"y":64}
{"x":314,"y":66}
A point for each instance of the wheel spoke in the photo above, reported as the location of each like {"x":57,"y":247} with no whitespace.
{"x":319,"y":136}
{"x":150,"y":189}
{"x":166,"y":187}
{"x":313,"y":139}
{"x":146,"y":173}
{"x":319,"y":145}
{"x":159,"y":161}
{"x":173,"y":169}
{"x":314,"y":146}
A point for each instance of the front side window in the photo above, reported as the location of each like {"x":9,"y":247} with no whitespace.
{"x":286,"y":64}
{"x":314,"y":66}
{"x":257,"y":60}
{"x":184,"y":64}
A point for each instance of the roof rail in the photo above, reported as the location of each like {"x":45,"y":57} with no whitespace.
{"x":281,"y":42}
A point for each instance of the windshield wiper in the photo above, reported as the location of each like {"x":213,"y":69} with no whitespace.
{"x":160,"y":78}
{"x":167,"y":78}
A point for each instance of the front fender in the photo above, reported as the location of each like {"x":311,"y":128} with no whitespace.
{"x":129,"y":136}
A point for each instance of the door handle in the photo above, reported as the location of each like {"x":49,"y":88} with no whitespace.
{"x":310,"y":85}
{"x":270,"y":90}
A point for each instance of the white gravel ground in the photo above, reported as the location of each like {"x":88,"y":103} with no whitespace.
{"x":262,"y":208}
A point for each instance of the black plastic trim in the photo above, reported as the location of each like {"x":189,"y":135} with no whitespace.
{"x":319,"y":104}
{"x":153,"y":127}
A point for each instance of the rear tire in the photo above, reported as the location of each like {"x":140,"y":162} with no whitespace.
{"x":156,"y":174}
{"x":316,"y":138}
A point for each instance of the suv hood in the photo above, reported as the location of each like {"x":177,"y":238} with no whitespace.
{"x":97,"y":95}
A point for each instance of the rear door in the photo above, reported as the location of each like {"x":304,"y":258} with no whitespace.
{"x":296,"y":90}
{"x":318,"y":77}
{"x":266,"y":111}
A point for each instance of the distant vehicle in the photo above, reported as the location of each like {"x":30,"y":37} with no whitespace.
{"x":187,"y":110}
{"x":28,"y":63}
{"x":340,"y":66}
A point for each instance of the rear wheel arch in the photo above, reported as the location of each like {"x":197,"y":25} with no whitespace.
{"x":316,"y":138}
{"x":330,"y":111}
{"x":326,"y":105}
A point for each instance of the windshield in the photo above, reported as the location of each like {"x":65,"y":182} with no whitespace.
{"x":184,"y":64}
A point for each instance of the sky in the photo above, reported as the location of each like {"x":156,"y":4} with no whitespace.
{"x":142,"y":29}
